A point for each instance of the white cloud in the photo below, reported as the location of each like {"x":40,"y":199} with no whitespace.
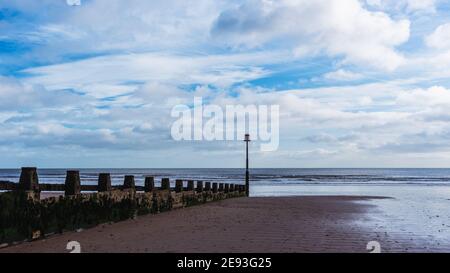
{"x":407,"y":5}
{"x":421,"y":4}
{"x":18,"y":96}
{"x":440,"y":38}
{"x":119,"y":74}
{"x":336,"y":28}
{"x":105,"y":25}
{"x":420,"y":99}
{"x":342,"y":75}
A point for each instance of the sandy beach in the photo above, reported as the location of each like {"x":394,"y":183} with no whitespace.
{"x":256,"y":224}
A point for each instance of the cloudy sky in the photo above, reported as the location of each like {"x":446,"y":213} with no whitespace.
{"x":359,"y":83}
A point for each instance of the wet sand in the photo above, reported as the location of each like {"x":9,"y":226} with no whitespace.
{"x":257,"y":224}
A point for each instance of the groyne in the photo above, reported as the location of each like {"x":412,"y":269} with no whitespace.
{"x":24,"y":215}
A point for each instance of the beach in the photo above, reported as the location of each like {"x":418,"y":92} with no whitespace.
{"x":251,"y":225}
{"x":290,"y":210}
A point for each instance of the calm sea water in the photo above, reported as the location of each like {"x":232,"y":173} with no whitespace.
{"x":274,"y":182}
{"x":259,"y":177}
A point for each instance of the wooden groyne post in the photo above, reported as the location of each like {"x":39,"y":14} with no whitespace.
{"x":29,"y":183}
{"x":149,"y":184}
{"x":29,"y":180}
{"x":207,"y":186}
{"x":128,"y":182}
{"x":190,"y":185}
{"x":165,"y":184}
{"x":104,"y":182}
{"x":178,"y":185}
{"x":199,"y":186}
{"x":72,"y":185}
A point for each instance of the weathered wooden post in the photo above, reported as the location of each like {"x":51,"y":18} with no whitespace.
{"x":190,"y":185}
{"x":128,"y":182}
{"x":29,"y":180}
{"x":178,"y":185}
{"x":165,"y":184}
{"x":207,"y":186}
{"x":214,"y":187}
{"x":149,"y":184}
{"x":220,"y":186}
{"x":104,"y":182}
{"x":73,"y":183}
{"x":227,"y":187}
{"x":199,"y":186}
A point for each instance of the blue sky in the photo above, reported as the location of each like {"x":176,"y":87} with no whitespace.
{"x":360,"y":83}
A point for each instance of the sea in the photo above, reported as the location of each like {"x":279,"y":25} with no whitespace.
{"x":263,"y":181}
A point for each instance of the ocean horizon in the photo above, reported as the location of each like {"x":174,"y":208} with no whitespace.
{"x":260,"y":177}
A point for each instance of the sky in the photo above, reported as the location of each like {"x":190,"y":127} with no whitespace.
{"x":359,"y":83}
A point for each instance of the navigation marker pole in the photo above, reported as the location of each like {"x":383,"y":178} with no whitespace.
{"x":247,"y":182}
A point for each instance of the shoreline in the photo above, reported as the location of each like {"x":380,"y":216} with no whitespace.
{"x":248,"y":225}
